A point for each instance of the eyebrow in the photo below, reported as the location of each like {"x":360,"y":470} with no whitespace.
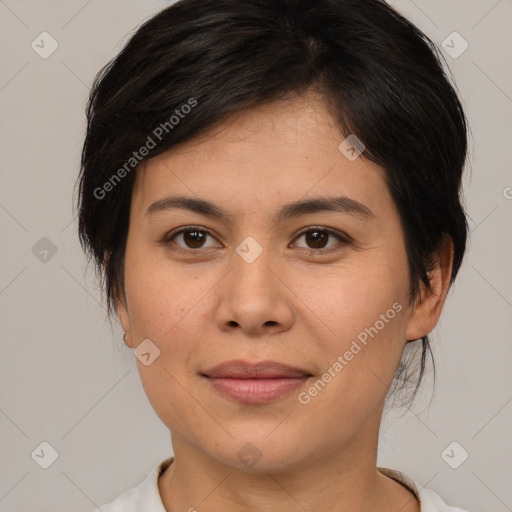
{"x":340,"y":204}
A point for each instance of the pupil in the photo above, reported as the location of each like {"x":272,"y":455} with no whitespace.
{"x":317,"y":236}
{"x":196,"y":240}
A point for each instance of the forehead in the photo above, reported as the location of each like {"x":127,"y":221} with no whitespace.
{"x":277,"y":152}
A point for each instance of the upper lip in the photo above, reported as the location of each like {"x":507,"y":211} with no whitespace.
{"x":238,"y":369}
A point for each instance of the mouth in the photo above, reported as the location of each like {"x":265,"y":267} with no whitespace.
{"x":255,"y":383}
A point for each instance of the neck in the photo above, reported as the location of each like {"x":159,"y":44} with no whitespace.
{"x":342,"y":480}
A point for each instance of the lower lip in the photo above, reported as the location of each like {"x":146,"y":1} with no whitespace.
{"x":257,"y":391}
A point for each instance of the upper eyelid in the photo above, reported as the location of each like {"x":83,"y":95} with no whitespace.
{"x":331,"y":231}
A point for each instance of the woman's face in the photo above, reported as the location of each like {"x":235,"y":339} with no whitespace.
{"x":254,"y":286}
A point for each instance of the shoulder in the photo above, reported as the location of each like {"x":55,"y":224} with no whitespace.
{"x":429,"y":500}
{"x":432,"y":502}
{"x":144,"y":496}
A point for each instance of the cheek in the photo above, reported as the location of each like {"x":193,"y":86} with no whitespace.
{"x":171,"y":306}
{"x":347,"y":300}
{"x":160,"y":295}
{"x":363,"y":313}
{"x":165,"y":305}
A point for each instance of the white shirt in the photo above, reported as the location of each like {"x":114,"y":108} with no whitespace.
{"x":145,"y":497}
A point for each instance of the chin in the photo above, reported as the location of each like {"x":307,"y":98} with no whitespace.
{"x":260,"y":454}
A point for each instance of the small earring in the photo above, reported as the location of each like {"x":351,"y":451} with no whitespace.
{"x":124,"y":337}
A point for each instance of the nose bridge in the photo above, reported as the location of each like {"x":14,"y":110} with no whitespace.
{"x":252,"y":261}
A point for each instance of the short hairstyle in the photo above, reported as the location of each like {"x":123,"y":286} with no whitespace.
{"x":381,"y":78}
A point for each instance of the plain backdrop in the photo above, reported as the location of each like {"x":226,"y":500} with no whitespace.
{"x":66,"y":377}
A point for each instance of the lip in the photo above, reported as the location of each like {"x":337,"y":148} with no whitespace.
{"x":255,"y":383}
{"x":239,"y":369}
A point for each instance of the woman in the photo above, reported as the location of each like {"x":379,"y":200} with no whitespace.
{"x":271,"y":191}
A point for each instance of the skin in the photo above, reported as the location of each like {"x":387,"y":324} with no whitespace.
{"x":207,"y":305}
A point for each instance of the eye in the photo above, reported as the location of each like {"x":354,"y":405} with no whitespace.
{"x":193,"y":237}
{"x":317,"y":238}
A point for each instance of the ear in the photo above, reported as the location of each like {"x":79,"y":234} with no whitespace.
{"x":121,"y":307}
{"x":429,"y":303}
{"x":124,"y":317}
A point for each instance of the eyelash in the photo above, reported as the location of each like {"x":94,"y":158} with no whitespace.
{"x":345,"y":239}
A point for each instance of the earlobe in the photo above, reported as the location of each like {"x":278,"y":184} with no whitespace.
{"x":127,"y":340}
{"x":430,"y":301}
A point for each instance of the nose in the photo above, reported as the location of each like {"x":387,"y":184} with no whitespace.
{"x":255,"y":298}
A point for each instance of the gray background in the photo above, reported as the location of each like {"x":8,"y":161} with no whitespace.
{"x":68,"y":379}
